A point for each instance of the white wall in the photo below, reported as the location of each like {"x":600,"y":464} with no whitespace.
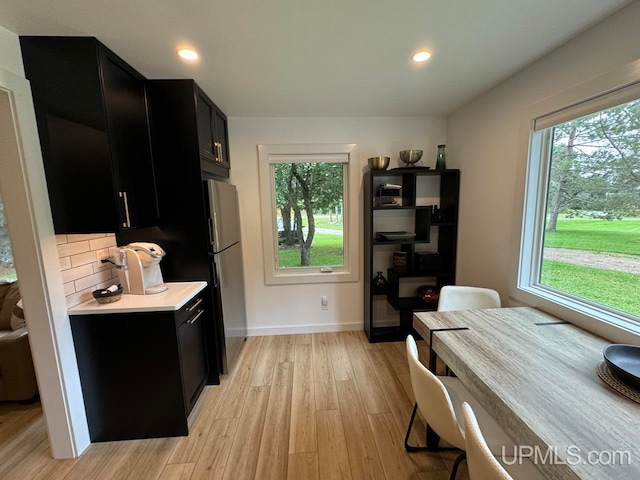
{"x":486,"y":143}
{"x":33,"y":241}
{"x":296,"y":308}
{"x":10,"y":57}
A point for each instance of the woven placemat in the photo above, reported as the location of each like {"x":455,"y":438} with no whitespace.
{"x":607,"y":377}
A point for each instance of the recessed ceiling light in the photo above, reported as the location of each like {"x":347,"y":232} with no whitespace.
{"x":188,"y":54}
{"x":421,"y":56}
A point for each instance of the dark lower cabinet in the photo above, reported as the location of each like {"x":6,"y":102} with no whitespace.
{"x":192,"y":357}
{"x":141,"y":373}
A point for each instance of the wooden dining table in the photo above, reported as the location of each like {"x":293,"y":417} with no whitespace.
{"x":535,"y":374}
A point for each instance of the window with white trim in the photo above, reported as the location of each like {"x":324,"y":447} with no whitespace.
{"x":581,"y":235}
{"x":309,"y":212}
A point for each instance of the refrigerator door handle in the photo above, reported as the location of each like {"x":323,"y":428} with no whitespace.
{"x":220,"y":272}
{"x":212,"y":240}
{"x":216,"y":283}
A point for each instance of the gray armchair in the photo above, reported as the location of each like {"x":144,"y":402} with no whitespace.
{"x":17,"y":375}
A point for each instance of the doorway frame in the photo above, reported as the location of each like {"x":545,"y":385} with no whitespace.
{"x":33,"y":242}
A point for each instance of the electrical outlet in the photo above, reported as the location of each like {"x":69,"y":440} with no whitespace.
{"x":324,"y":302}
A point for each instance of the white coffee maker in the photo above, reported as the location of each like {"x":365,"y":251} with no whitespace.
{"x":138,"y":267}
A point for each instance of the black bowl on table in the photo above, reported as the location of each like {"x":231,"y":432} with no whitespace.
{"x":624,"y":363}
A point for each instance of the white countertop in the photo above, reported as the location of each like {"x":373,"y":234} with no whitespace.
{"x":171,"y":299}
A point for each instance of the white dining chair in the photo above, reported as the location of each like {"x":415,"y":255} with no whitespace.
{"x":482,"y":463}
{"x":457,"y":297}
{"x":439,"y":401}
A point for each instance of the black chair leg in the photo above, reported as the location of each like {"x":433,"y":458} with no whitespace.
{"x":456,"y":464}
{"x":407,"y":447}
{"x":432,"y":440}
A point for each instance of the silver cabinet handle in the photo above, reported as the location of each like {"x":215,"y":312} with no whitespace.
{"x":193,"y":320}
{"x":127,"y":223}
{"x":218,"y":152}
{"x":194,"y":305}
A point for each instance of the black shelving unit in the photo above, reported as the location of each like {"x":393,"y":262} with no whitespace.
{"x":442,"y":189}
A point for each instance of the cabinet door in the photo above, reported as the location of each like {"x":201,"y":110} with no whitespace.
{"x":67,"y":96}
{"x":128,"y":126}
{"x":131,"y":386}
{"x":193,"y":357}
{"x":205,"y":128}
{"x":221,"y":137}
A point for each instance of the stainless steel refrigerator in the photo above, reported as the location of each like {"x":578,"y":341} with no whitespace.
{"x":227,"y":271}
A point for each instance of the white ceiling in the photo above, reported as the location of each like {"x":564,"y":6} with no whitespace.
{"x":322,"y":57}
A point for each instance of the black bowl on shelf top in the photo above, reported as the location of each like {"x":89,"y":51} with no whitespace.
{"x":624,"y":363}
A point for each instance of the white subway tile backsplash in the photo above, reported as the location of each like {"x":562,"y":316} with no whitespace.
{"x":79,"y":297}
{"x":65,"y":263}
{"x":108,"y":283}
{"x":93,"y":280}
{"x":83,"y":258}
{"x":103,"y":253}
{"x":69,"y":288}
{"x":105,"y":242}
{"x":68,"y":249}
{"x":79,"y":237}
{"x":98,"y":266}
{"x":76,"y":273}
{"x":82,"y":272}
{"x":101,"y":267}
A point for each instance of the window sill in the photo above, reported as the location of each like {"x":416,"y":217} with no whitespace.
{"x":293,"y":277}
{"x":598,"y":319}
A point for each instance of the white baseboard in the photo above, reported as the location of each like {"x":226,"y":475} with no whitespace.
{"x":292,"y":329}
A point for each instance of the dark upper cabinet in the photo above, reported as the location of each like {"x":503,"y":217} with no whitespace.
{"x":205,"y":112}
{"x":187,"y":126}
{"x":91,"y":110}
{"x":221,"y":137}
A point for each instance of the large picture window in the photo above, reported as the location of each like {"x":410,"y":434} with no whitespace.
{"x":591,"y":245}
{"x":309,"y":224}
{"x":583,"y":247}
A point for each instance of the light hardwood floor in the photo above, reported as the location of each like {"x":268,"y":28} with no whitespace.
{"x":313,"y":406}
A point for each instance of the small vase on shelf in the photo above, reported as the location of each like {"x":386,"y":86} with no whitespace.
{"x":380,"y":283}
{"x":441,"y":158}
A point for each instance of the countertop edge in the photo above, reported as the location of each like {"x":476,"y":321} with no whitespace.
{"x":171,"y":300}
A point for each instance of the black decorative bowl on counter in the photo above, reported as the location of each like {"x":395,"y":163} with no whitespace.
{"x":107,"y":296}
{"x":624,"y":363}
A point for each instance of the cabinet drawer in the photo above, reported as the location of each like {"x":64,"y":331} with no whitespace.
{"x":190,"y":309}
